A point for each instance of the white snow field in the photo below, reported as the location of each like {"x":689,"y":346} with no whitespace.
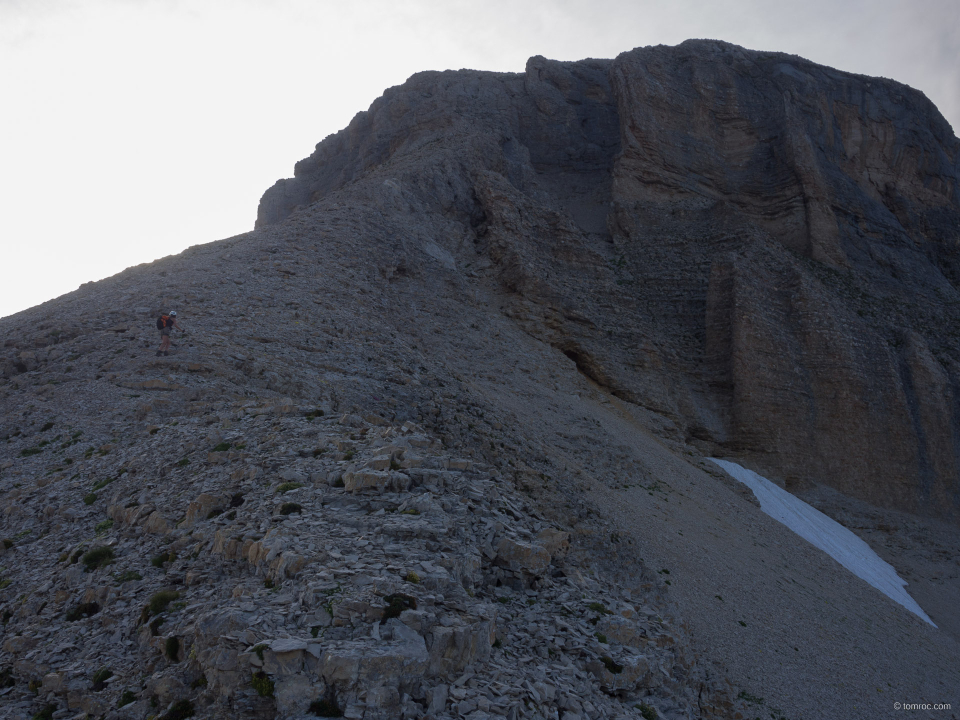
{"x":828,"y":535}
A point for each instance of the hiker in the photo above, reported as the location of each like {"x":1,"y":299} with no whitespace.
{"x":165,"y":324}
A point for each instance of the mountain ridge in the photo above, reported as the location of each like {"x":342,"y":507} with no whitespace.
{"x":491,"y":394}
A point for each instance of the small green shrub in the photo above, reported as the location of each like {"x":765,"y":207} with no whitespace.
{"x":410,"y":511}
{"x":200,"y":682}
{"x":159,"y":601}
{"x":126,"y":698}
{"x":612,"y":666}
{"x":181,"y":710}
{"x":127,"y":576}
{"x":412,"y":577}
{"x":46,"y":426}
{"x":262,"y":684}
{"x":100,"y":678}
{"x":171,"y":648}
{"x":5,"y":583}
{"x":647,"y":712}
{"x":325,"y":708}
{"x":46,"y":713}
{"x":97,"y":558}
{"x":83,"y":610}
{"x":89,"y":498}
{"x":162,"y":558}
{"x":599,"y":608}
{"x":222,"y":447}
{"x":184,"y":462}
{"x":102,"y":527}
{"x":288,"y":486}
{"x":232,"y":515}
{"x":290,"y":507}
{"x":600,"y":637}
{"x":7,"y":543}
{"x":31,"y":451}
{"x":348,"y":455}
{"x":319,"y":451}
{"x":396,"y":604}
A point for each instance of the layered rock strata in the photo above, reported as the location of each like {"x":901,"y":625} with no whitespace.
{"x":763,"y":249}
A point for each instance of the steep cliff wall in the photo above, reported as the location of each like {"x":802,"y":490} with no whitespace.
{"x":760,"y":248}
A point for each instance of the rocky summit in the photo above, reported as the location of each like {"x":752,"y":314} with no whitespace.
{"x":434,"y":439}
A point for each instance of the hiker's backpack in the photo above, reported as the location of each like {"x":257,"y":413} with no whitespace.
{"x":163,"y":321}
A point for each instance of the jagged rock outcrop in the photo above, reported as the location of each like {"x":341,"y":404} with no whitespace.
{"x":763,"y":249}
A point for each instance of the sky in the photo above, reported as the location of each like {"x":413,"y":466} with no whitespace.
{"x":133,"y":129}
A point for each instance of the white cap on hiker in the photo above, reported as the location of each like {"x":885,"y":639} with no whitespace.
{"x":172,"y":313}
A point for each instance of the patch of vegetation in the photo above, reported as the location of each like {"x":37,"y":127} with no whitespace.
{"x":222,"y":447}
{"x":162,"y":558}
{"x":647,"y":712}
{"x":46,"y":713}
{"x":102,"y":527}
{"x":314,"y":414}
{"x":290,"y":507}
{"x":89,"y":498}
{"x":6,"y":678}
{"x":27,"y":452}
{"x":126,"y":698}
{"x":319,"y":451}
{"x":753,"y":699}
{"x":410,"y":511}
{"x":396,"y":604}
{"x":610,"y":665}
{"x":232,"y":515}
{"x":288,"y":486}
{"x":338,"y":483}
{"x":742,"y":623}
{"x":269,"y":584}
{"x":184,"y":462}
{"x":127,"y":576}
{"x":5,"y":583}
{"x":325,"y":708}
{"x":155,"y":626}
{"x":7,"y":543}
{"x":599,"y":608}
{"x":349,"y":455}
{"x":258,"y":650}
{"x":100,"y":678}
{"x":97,"y":558}
{"x":262,"y":684}
{"x":200,"y":682}
{"x":5,"y":618}
{"x":159,"y":601}
{"x":46,"y":426}
{"x":181,"y":710}
{"x":412,"y":577}
{"x":601,"y":638}
{"x":171,"y":648}
{"x":314,"y":631}
{"x":34,"y":686}
{"x":83,"y":610}
{"x":103,"y":483}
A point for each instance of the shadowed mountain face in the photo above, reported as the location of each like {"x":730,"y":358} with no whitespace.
{"x":764,"y":250}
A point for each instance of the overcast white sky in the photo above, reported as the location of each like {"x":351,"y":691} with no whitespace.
{"x":132,"y":129}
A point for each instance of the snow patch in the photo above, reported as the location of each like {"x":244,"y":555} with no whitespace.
{"x":828,"y":535}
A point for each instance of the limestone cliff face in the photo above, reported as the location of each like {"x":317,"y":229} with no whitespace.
{"x":764,"y":250}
